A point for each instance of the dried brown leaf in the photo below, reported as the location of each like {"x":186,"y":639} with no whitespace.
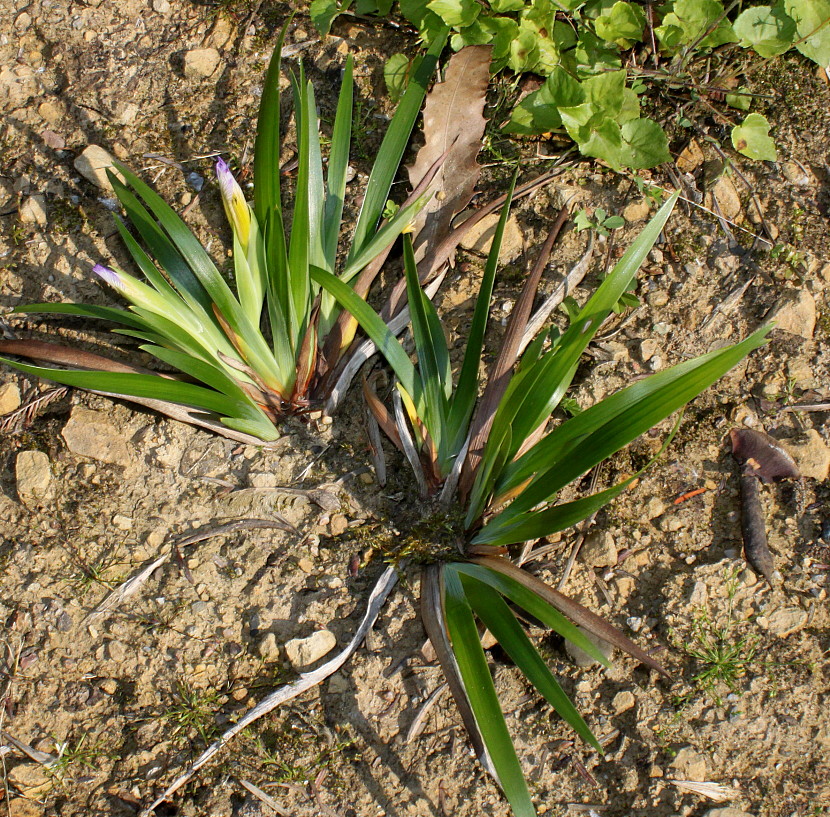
{"x":453,"y":120}
{"x":762,"y":456}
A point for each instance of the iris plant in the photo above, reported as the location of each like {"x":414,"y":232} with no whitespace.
{"x":498,"y":466}
{"x":243,"y":356}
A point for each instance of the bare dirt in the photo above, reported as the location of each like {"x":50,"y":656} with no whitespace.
{"x":128,"y":698}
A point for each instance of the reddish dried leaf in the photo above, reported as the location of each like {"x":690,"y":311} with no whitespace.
{"x":762,"y":456}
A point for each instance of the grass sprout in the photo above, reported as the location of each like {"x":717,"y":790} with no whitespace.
{"x":193,"y":711}
{"x":83,"y":755}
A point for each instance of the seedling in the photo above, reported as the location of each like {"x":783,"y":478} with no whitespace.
{"x":193,"y":712}
{"x":600,"y":223}
{"x":81,"y":755}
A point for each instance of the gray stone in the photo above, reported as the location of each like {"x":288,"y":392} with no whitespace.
{"x":811,"y":455}
{"x":33,"y":210}
{"x":92,"y":164}
{"x":599,"y":549}
{"x":795,"y":313}
{"x":201,"y":63}
{"x":33,"y":474}
{"x":581,"y":658}
{"x":786,"y":621}
{"x":9,"y":398}
{"x":64,"y":622}
{"x":727,"y":812}
{"x":269,"y":649}
{"x":690,"y":765}
{"x":302,"y":652}
{"x":92,"y":434}
{"x":480,"y":237}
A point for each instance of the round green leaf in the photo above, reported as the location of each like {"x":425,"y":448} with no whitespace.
{"x":812,"y":21}
{"x":622,"y":24}
{"x":644,"y":144}
{"x":766,"y":29}
{"x":752,"y":139}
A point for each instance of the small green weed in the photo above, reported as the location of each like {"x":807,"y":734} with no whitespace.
{"x":283,"y":771}
{"x":193,"y":712}
{"x":601,"y":222}
{"x":80,"y":756}
{"x":724,"y":654}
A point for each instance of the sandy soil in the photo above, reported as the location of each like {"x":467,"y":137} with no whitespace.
{"x":129,"y":697}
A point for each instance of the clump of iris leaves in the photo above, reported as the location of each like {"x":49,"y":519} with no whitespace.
{"x":599,"y":57}
{"x":243,"y":357}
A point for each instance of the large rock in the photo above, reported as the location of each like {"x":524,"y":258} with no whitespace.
{"x":302,"y":652}
{"x":33,"y":474}
{"x":92,"y":434}
{"x":92,"y":164}
{"x":201,"y":63}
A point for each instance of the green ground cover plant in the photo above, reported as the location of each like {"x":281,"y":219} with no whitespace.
{"x":601,"y":57}
{"x":485,"y":452}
